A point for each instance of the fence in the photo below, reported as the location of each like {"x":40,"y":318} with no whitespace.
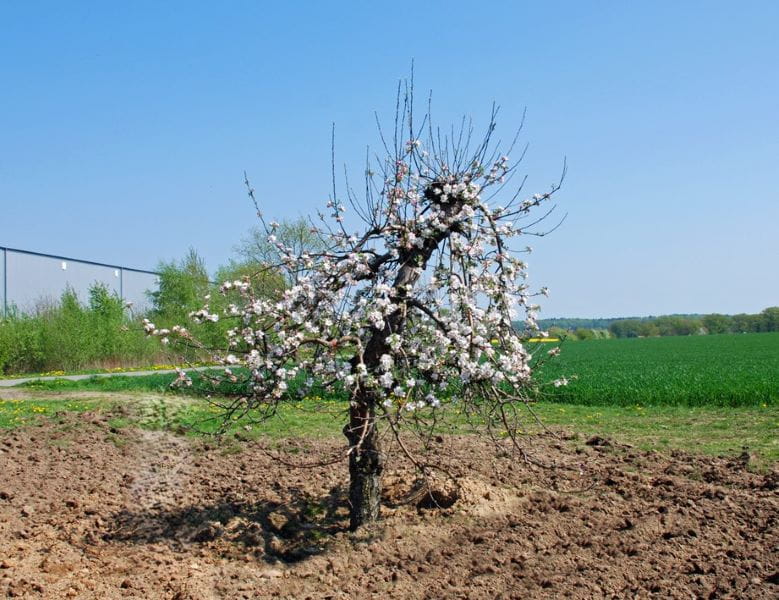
{"x":29,"y":278}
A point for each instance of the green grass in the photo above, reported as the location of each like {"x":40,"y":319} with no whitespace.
{"x":196,"y":417}
{"x":179,"y":413}
{"x":102,"y":371}
{"x":714,"y":394}
{"x":159,"y":382}
{"x":712,"y":370}
{"x":20,"y":412}
{"x":708,"y":430}
{"x":718,"y":370}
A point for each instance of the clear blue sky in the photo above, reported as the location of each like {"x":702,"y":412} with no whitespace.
{"x":125,"y":129}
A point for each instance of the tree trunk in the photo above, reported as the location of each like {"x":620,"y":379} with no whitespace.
{"x":365,"y":464}
{"x":366,"y":461}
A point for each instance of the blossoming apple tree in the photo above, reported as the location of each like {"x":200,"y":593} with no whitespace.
{"x":409,"y":316}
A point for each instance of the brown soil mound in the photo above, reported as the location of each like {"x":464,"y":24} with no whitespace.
{"x":87,"y":512}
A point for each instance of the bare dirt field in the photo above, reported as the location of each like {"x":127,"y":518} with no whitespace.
{"x":87,"y":511}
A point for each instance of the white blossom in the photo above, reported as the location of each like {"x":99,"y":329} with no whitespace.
{"x":385,"y":362}
{"x":424,"y":298}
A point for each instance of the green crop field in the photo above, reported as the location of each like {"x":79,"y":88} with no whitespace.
{"x":716,"y":370}
{"x":708,"y":370}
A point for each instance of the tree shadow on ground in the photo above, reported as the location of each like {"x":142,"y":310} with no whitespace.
{"x":287,"y":531}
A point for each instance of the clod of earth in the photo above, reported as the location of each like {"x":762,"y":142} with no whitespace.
{"x":148,"y":523}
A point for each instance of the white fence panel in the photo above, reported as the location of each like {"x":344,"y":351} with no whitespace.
{"x":31,"y":279}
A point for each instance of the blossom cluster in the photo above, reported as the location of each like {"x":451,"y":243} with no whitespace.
{"x":412,"y":313}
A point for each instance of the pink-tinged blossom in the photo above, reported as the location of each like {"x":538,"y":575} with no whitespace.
{"x":420,"y":305}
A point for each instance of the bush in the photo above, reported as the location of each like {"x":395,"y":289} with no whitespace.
{"x":69,"y":335}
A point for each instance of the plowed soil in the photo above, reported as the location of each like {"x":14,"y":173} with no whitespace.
{"x":91,"y":512}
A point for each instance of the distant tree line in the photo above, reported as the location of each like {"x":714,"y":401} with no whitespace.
{"x":572,"y":324}
{"x":689,"y":324}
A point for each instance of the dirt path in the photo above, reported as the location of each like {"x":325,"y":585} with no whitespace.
{"x":91,"y":512}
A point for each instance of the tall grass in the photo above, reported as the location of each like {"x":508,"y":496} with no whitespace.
{"x":71,"y":335}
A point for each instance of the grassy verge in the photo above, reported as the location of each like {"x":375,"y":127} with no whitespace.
{"x":195,"y":417}
{"x":108,"y":371}
{"x":159,"y":382}
{"x":707,"y":430}
{"x":17,"y":412}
